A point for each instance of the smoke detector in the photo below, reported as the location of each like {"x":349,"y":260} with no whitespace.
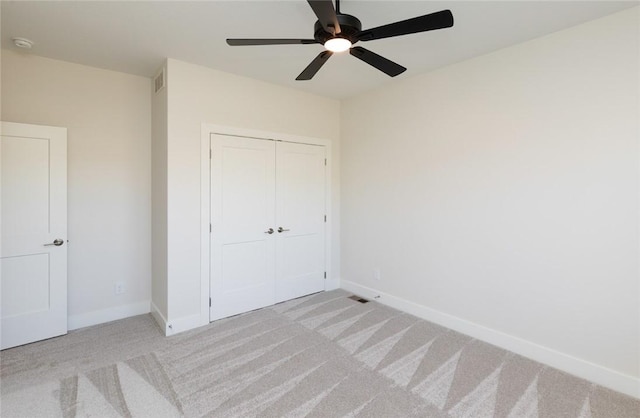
{"x":23,"y":43}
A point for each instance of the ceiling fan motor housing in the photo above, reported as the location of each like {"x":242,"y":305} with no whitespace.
{"x":350,"y":27}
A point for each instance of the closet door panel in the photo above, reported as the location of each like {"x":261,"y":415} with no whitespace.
{"x":242,"y":212}
{"x":300,"y":219}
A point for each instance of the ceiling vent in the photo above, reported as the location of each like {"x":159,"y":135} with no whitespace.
{"x":159,"y":82}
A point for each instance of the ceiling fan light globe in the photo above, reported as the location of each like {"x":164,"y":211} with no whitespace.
{"x":337,"y":44}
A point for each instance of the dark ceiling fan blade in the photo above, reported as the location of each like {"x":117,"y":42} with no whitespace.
{"x":438,"y":20}
{"x":316,"y":64}
{"x":326,"y":15}
{"x":241,"y":42}
{"x":381,"y":63}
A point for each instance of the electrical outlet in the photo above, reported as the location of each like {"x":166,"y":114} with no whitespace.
{"x":376,"y":274}
{"x":118,"y":288}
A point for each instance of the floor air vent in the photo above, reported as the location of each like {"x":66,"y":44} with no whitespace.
{"x":358,"y":299}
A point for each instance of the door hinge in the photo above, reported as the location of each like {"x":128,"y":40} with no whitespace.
{"x":209,"y":154}
{"x":325,"y":161}
{"x":325,"y":274}
{"x":210,"y":228}
{"x":209,"y":302}
{"x":325,"y":218}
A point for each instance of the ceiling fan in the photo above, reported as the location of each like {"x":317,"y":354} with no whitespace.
{"x":338,"y":32}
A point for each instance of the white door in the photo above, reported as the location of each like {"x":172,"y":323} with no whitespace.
{"x":268,"y":222}
{"x":242,"y":220}
{"x":33,"y":278}
{"x":300,"y":215}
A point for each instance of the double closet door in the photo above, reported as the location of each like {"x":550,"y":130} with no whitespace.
{"x":267,"y":222}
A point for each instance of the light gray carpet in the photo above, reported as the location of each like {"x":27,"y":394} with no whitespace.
{"x":320,"y":356}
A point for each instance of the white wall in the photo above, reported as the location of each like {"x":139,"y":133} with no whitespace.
{"x":199,"y":95}
{"x":108,"y":116}
{"x":500,"y":196}
{"x":159,"y":284}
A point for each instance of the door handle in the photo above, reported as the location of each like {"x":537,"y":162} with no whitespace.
{"x":58,"y":242}
{"x":281,"y":229}
{"x":269,"y":231}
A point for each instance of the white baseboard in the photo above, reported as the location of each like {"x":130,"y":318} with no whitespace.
{"x":107,"y":315}
{"x":160,"y":319}
{"x":185,"y":323}
{"x":177,"y":325}
{"x":611,"y":379}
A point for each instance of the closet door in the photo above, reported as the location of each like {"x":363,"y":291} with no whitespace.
{"x":300,"y":220}
{"x":242,"y":219}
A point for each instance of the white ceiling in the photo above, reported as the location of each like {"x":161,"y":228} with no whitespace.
{"x":135,"y":36}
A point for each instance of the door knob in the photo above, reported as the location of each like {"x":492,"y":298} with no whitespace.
{"x":58,"y":242}
{"x":281,"y":229}
{"x":269,"y":231}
